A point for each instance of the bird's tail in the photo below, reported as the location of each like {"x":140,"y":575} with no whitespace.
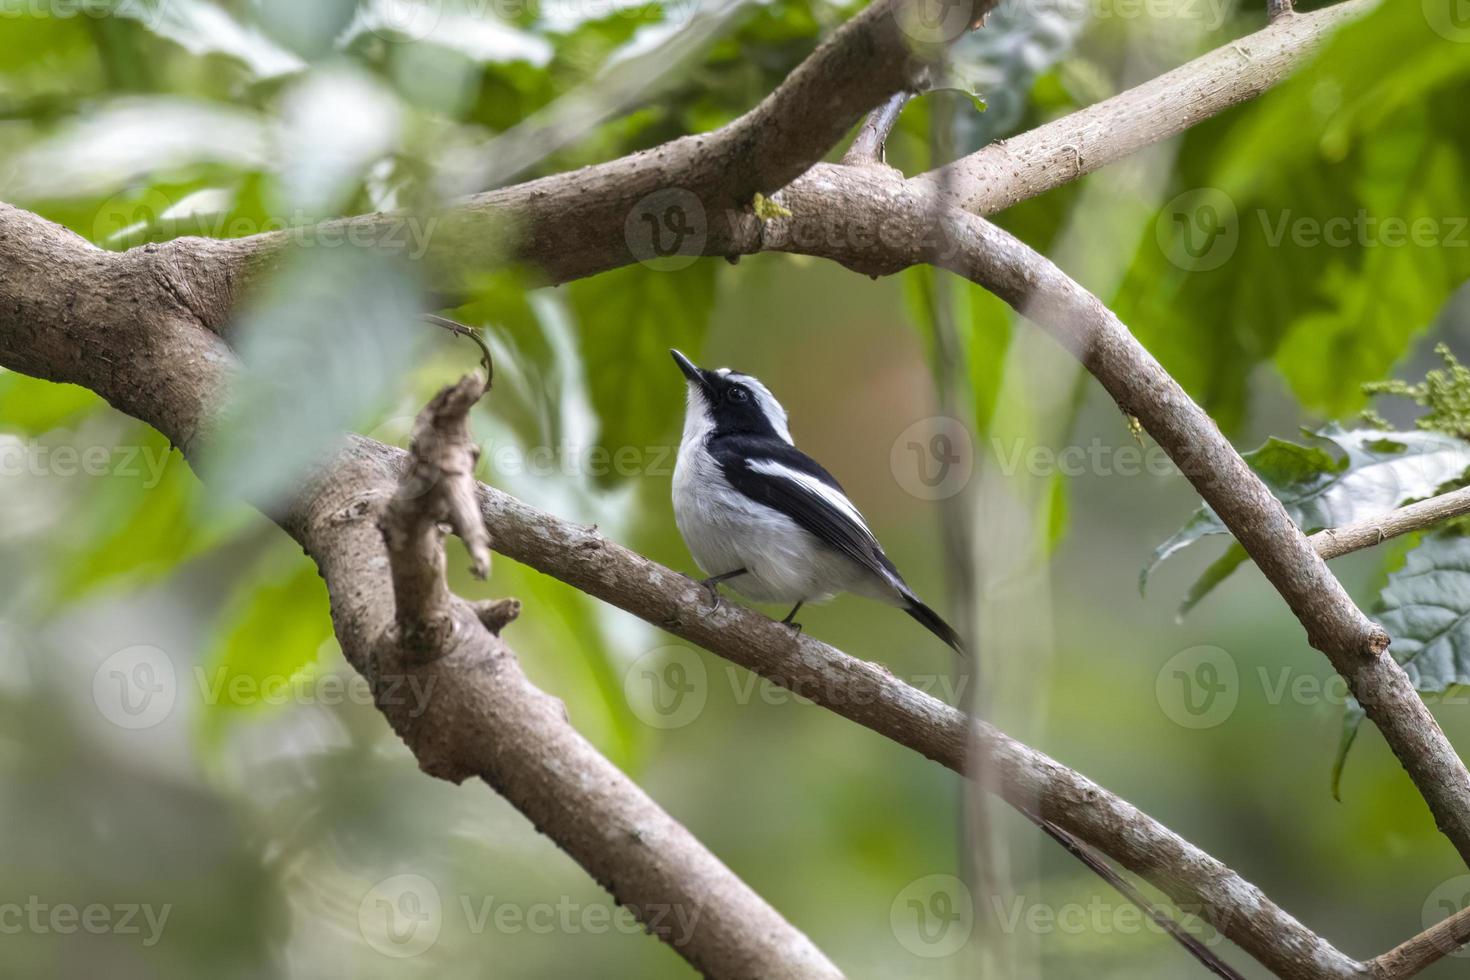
{"x":930,"y":620}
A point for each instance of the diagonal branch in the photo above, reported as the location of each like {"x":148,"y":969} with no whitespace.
{"x":589,"y":221}
{"x":1004,"y":173}
{"x":127,"y":327}
{"x":872,"y":697}
{"x":852,"y":199}
{"x":1338,"y":541}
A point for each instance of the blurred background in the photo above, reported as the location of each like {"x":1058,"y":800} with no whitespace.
{"x":192,"y":781}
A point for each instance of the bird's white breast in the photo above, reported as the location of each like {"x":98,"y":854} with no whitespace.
{"x":726,"y":530}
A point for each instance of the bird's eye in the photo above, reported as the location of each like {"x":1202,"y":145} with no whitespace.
{"x":738,"y":394}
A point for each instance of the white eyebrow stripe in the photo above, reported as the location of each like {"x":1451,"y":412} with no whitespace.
{"x":771,"y":409}
{"x":834,"y":499}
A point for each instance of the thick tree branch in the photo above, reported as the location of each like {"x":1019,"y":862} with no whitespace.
{"x":130,"y":327}
{"x":134,"y":328}
{"x":1338,"y":541}
{"x":998,"y":176}
{"x":591,"y":220}
{"x":117,"y":325}
{"x":575,"y":224}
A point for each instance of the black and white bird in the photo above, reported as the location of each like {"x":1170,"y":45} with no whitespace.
{"x":763,"y":517}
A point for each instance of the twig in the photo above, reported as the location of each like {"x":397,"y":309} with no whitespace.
{"x":1433,"y":944}
{"x":1338,"y":541}
{"x":1206,"y":956}
{"x":463,"y":330}
{"x":869,"y":146}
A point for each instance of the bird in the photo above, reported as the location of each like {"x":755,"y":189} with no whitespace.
{"x":766,"y":520}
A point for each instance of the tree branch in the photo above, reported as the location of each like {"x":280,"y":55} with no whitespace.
{"x":1338,"y":541}
{"x":127,"y":327}
{"x":162,"y":368}
{"x":1004,"y":173}
{"x":1277,"y":8}
{"x":850,"y":201}
{"x":437,"y":490}
{"x":582,"y":220}
{"x":1424,"y":950}
{"x":868,"y":146}
{"x":869,"y":695}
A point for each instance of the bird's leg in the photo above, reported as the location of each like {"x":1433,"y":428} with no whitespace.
{"x":713,"y":584}
{"x":790,"y":619}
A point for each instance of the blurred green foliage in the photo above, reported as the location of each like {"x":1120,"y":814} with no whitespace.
{"x":268,"y":825}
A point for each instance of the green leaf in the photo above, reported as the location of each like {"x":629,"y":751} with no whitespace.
{"x":628,"y":320}
{"x":31,"y":407}
{"x":1313,"y":264}
{"x":269,"y":637}
{"x":1426,"y":610}
{"x":326,"y":342}
{"x":1375,"y":472}
{"x":153,"y":517}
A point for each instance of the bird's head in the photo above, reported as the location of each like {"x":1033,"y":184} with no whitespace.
{"x":730,"y":402}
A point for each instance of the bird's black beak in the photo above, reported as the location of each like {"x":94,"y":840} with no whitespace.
{"x":691,"y":371}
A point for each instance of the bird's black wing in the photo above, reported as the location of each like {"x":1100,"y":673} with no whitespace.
{"x":775,"y":473}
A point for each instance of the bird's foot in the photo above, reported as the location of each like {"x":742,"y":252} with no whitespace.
{"x":790,"y":619}
{"x":712,"y":586}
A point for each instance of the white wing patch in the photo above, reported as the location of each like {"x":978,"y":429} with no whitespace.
{"x":833,"y":498}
